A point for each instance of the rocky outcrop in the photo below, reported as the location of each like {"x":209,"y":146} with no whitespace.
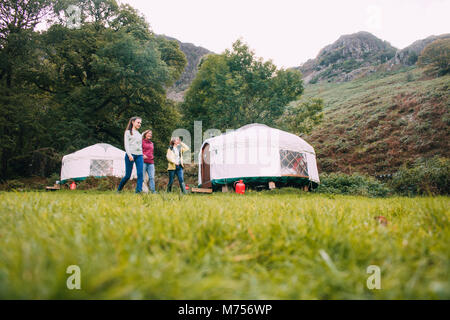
{"x":409,"y":55}
{"x":349,"y":57}
{"x":193,"y":55}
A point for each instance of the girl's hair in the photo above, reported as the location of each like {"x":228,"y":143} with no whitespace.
{"x":145,"y":132}
{"x":172,"y":140}
{"x":130,"y":124}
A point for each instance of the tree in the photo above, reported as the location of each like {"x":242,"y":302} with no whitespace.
{"x":105,"y":72}
{"x":301,"y":117}
{"x":98,"y":12}
{"x":78,"y":86}
{"x":17,"y":19}
{"x":435,"y":58}
{"x":19,"y":127}
{"x":235,"y":88}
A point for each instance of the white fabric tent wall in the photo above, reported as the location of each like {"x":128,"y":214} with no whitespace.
{"x":80,"y":163}
{"x":254,"y":151}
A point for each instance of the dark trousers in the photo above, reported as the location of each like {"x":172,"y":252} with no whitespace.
{"x":179,"y":172}
{"x":139,"y":161}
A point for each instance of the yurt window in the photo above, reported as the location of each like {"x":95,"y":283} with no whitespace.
{"x":101,"y":168}
{"x":293,"y":163}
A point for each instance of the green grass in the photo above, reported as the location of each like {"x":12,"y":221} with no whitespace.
{"x":282,"y":244}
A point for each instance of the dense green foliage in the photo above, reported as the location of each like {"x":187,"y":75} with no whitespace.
{"x":274,"y":245}
{"x":18,"y":124}
{"x":426,"y":176}
{"x":300,"y":117}
{"x":435,"y":58}
{"x":355,"y":184}
{"x":66,"y":88}
{"x":235,"y":88}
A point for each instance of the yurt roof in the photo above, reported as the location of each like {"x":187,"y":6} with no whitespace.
{"x":98,"y":151}
{"x":286,"y":140}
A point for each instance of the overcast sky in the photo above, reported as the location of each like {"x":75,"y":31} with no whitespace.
{"x":292,"y":31}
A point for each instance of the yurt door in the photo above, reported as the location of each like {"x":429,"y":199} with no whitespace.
{"x":206,"y":177}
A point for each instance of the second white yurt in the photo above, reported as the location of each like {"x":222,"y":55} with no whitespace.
{"x":98,"y":160}
{"x":257,"y":154}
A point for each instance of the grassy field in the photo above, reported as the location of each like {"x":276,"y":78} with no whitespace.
{"x":266,"y":245}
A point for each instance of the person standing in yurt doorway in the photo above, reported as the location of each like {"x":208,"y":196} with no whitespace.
{"x":133,"y":149}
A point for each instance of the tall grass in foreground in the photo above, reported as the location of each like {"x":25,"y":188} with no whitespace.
{"x":267,"y":245}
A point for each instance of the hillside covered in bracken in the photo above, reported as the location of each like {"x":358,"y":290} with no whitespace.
{"x":377,"y":123}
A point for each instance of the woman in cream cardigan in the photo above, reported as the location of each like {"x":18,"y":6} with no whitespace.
{"x":133,"y":148}
{"x":175,"y":158}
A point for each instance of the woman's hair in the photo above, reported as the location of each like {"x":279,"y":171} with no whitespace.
{"x":130,"y":124}
{"x":172,"y":140}
{"x":145,"y":133}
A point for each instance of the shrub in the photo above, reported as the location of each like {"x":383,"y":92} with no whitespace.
{"x":101,"y":184}
{"x":15,"y":185}
{"x":412,"y":58}
{"x":409,"y":77}
{"x":426,"y":176}
{"x":355,"y":184}
{"x":53,"y":178}
{"x":314,"y":79}
{"x":435,"y":58}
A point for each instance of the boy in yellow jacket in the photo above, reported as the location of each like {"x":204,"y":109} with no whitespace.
{"x":175,"y":158}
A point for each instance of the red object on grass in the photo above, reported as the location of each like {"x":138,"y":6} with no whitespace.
{"x":382,"y":220}
{"x":240,"y":187}
{"x":73,"y":185}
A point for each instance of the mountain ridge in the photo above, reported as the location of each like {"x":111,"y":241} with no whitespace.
{"x":358,"y":54}
{"x":409,"y":55}
{"x":350,"y":57}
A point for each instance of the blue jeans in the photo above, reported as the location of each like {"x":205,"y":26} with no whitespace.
{"x":150,"y":169}
{"x":139,"y":161}
{"x":179,"y":172}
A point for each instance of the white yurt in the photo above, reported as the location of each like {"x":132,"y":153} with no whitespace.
{"x":257,"y":154}
{"x":98,"y":160}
